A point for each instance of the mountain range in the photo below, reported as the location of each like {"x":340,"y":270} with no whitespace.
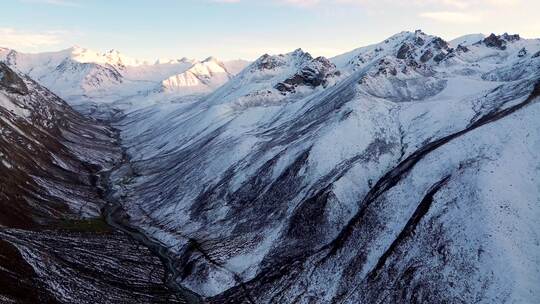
{"x":401,"y":172}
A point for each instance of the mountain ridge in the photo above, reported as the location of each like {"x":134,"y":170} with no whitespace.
{"x":400,"y":172}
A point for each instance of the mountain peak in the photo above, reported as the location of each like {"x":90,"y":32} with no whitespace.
{"x":500,"y":41}
{"x":299,"y":53}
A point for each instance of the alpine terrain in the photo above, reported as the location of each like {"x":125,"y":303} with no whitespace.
{"x":407,"y":171}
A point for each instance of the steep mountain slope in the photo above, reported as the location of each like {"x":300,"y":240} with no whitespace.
{"x":386,"y":174}
{"x":55,"y":247}
{"x":45,"y":147}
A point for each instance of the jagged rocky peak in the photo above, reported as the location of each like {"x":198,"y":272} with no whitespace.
{"x":10,"y":81}
{"x":499,"y":41}
{"x":314,"y":73}
{"x":414,"y":48}
{"x":401,"y":68}
{"x":301,"y":56}
{"x":422,"y":48}
{"x":269,"y":62}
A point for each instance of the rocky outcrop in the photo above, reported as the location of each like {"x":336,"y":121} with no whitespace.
{"x":499,"y":41}
{"x":10,"y":81}
{"x":315,"y":73}
{"x":495,"y":42}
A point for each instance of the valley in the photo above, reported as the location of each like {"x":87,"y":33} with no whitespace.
{"x":406,"y":171}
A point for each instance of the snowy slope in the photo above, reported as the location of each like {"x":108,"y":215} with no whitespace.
{"x":466,"y":40}
{"x":330,"y":180}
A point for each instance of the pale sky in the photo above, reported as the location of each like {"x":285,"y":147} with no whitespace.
{"x":230,"y":29}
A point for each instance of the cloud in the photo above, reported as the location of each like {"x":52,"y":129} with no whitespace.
{"x":16,"y":39}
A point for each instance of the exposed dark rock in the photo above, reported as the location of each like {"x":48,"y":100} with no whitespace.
{"x":461,"y":48}
{"x":439,"y":57}
{"x":10,"y":81}
{"x":267,"y":62}
{"x":404,"y":51}
{"x":510,"y":38}
{"x":439,"y":43}
{"x":426,"y":56}
{"x":495,"y":41}
{"x":18,"y":280}
{"x":314,"y":74}
{"x":419,"y":41}
{"x":85,"y":266}
{"x":522,"y":52}
{"x":387,"y":68}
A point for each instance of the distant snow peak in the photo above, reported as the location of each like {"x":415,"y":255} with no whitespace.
{"x":202,"y":77}
{"x":81,"y":75}
{"x":112,"y":57}
{"x":301,"y":55}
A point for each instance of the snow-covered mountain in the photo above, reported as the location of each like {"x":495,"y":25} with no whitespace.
{"x":389,"y":172}
{"x":400,"y":172}
{"x":202,"y":77}
{"x":80,"y":75}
